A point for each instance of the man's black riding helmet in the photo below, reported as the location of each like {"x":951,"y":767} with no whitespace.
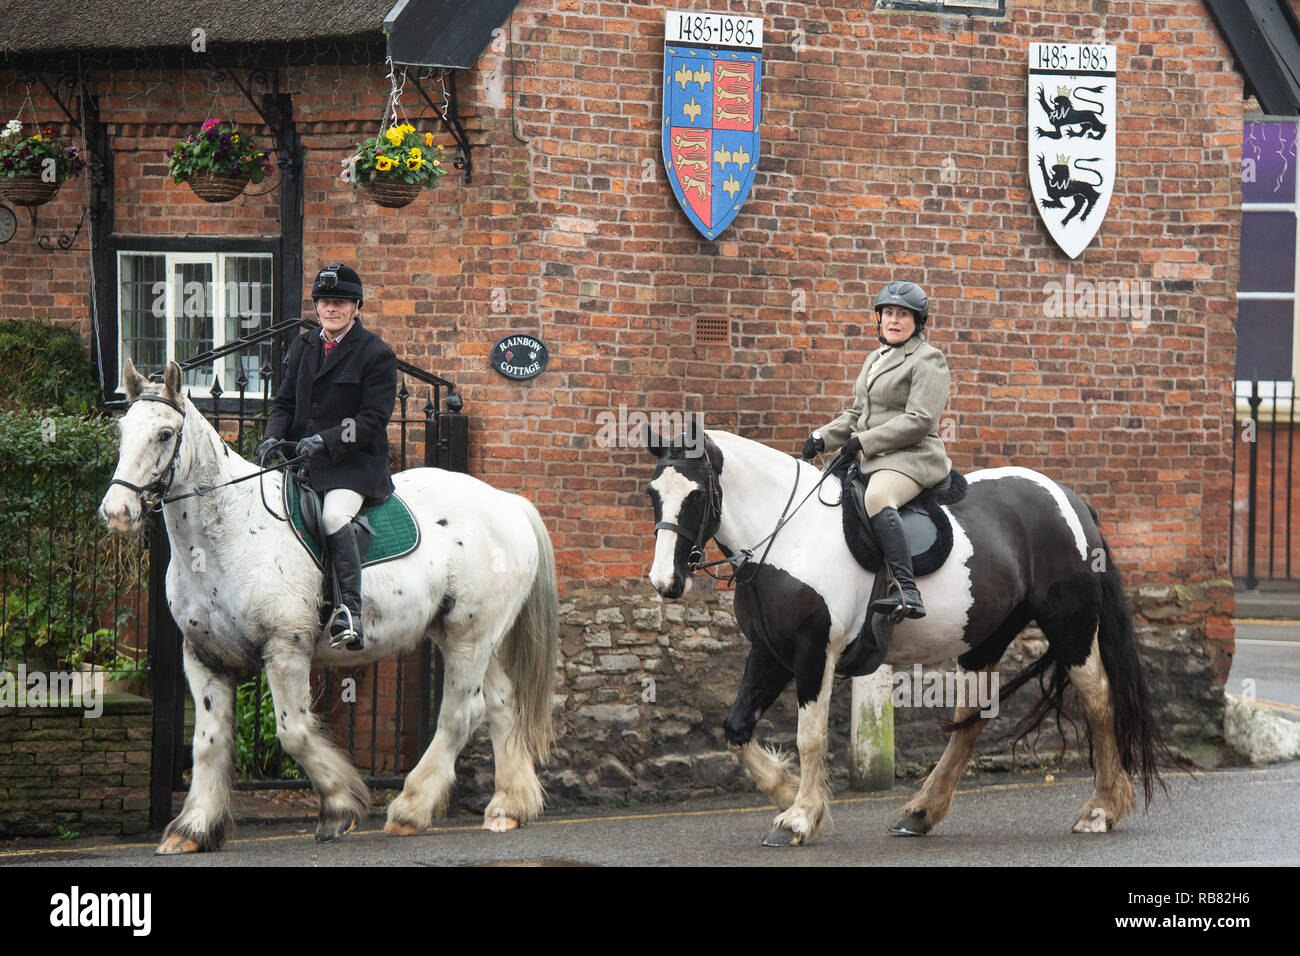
{"x":909,"y":296}
{"x":337,"y":281}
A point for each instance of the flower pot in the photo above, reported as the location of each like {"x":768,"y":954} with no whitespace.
{"x":217,"y":188}
{"x":28,"y":190}
{"x":389,"y":193}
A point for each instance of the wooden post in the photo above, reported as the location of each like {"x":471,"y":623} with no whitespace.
{"x":871,"y":749}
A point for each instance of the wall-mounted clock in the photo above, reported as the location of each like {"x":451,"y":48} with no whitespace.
{"x":8,"y":223}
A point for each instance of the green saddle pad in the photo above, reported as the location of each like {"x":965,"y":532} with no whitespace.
{"x":396,"y":533}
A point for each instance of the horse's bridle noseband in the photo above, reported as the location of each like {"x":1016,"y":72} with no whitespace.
{"x":152,"y":494}
{"x":712,"y":516}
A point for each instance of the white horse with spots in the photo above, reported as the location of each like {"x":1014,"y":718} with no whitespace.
{"x":245,"y":594}
{"x":1023,"y":548}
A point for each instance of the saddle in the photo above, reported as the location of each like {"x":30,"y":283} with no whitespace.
{"x":929,"y":536}
{"x":391,"y":530}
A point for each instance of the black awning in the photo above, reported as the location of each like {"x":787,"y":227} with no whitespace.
{"x":443,"y":33}
{"x":1265,"y":40}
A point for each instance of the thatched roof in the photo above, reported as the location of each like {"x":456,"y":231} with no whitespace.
{"x":68,"y":25}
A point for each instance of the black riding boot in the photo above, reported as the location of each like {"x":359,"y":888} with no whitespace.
{"x":345,"y":556}
{"x":888,"y":527}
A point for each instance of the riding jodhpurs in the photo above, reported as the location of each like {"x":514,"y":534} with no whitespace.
{"x":888,"y":489}
{"x":339,"y":507}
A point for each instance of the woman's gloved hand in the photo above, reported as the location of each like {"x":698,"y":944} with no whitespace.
{"x":813,"y":447}
{"x":264,"y":449}
{"x":309,"y":446}
{"x":851,"y":447}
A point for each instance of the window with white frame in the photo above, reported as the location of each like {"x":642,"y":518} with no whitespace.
{"x":175,"y":305}
{"x":1268,"y":347}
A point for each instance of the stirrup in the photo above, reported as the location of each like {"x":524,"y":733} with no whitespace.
{"x":347,"y":637}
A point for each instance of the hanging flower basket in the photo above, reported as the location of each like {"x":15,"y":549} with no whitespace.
{"x":390,"y":194}
{"x":218,"y":161}
{"x":211,"y":187}
{"x":27,"y":164}
{"x":28,"y":190}
{"x":394,"y":166}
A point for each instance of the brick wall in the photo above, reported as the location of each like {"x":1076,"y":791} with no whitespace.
{"x":59,"y":767}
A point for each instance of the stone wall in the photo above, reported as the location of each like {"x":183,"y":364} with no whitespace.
{"x":59,"y":767}
{"x":645,"y":683}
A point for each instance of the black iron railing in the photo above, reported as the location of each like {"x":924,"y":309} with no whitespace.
{"x":1264,"y":490}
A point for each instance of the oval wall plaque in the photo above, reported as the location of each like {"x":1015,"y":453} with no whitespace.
{"x":519,"y":356}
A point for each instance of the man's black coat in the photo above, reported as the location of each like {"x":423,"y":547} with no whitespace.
{"x":347,"y":399}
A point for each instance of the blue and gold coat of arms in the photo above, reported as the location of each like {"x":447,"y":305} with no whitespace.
{"x":712,"y":86}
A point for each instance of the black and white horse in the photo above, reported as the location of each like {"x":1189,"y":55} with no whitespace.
{"x":1024,"y":549}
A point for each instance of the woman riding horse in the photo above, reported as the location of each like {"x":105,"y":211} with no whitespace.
{"x":892,"y":428}
{"x":335,"y":402}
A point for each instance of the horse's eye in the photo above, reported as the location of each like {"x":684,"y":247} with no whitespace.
{"x":165,"y":435}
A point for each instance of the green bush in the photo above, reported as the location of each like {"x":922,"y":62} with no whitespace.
{"x":43,"y":367}
{"x":272,"y":762}
{"x":59,"y":567}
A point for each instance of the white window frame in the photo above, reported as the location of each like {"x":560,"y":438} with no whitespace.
{"x":218,"y":261}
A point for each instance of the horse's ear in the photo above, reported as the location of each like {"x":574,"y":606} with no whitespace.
{"x":654,"y":442}
{"x":172,"y":382}
{"x":132,"y":381}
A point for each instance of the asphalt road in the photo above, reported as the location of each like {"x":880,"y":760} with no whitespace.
{"x":1268,"y":653}
{"x":1234,"y":817}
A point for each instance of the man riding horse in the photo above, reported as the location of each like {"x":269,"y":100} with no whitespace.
{"x":335,"y":401}
{"x":892,"y":428}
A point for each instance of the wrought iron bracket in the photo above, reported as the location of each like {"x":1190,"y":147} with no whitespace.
{"x":273,"y":107}
{"x":68,"y":90}
{"x":449,"y":112}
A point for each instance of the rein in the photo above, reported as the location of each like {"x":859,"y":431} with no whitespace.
{"x":713,"y":513}
{"x":154,"y":495}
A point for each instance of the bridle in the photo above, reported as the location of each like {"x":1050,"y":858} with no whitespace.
{"x":153,"y":495}
{"x":712,"y":517}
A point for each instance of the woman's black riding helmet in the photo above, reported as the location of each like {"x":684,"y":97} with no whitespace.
{"x":908,"y":295}
{"x":337,"y":281}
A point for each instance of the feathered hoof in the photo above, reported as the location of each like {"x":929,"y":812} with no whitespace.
{"x":500,"y":822}
{"x":1093,"y":821}
{"x":782,"y":838}
{"x":911,"y":825}
{"x":327,"y":831}
{"x":175,"y":844}
{"x":397,"y":828}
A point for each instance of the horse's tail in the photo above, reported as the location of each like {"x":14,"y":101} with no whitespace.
{"x":1138,"y":739}
{"x":530,"y":650}
{"x":1137,"y":732}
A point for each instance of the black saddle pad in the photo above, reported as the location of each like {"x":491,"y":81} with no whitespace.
{"x":928,"y":530}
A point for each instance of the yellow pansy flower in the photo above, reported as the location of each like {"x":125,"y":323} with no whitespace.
{"x":415,"y":162}
{"x":406,"y":128}
{"x":394,"y":137}
{"x":383,"y":164}
{"x":415,"y":152}
{"x":428,"y":139}
{"x":440,"y":147}
{"x":37,"y":137}
{"x":234,"y":137}
{"x":437,"y":162}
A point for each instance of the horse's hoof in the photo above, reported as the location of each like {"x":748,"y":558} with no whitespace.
{"x":400,"y":829}
{"x":176,"y":844}
{"x":328,"y":832}
{"x":500,"y":823}
{"x":909,"y":825}
{"x":781,"y":838}
{"x":1092,"y":825}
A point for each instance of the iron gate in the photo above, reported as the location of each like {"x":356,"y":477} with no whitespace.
{"x":1260,"y":539}
{"x":403,"y":696}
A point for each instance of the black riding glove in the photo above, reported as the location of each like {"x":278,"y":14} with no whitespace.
{"x":814,"y":446}
{"x":851,"y":447}
{"x":309,"y":446}
{"x":264,"y":449}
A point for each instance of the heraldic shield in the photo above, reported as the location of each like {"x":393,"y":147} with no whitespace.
{"x":711,"y":130}
{"x":1072,"y":137}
